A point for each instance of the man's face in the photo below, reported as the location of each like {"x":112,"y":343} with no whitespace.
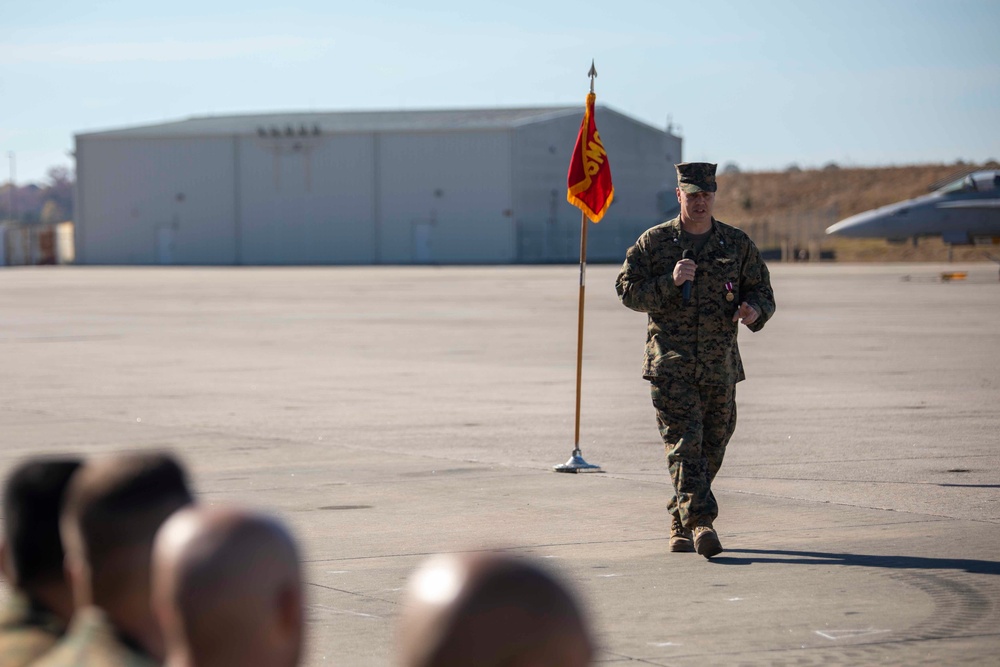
{"x":696,"y":207}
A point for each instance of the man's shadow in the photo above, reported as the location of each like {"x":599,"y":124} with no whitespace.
{"x":822,"y":558}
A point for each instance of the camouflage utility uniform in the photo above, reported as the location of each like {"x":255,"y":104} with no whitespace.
{"x":692,"y":359}
{"x":26,"y":631}
{"x":93,"y":642}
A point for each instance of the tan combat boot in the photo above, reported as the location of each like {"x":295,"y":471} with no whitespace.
{"x":680,"y":537}
{"x":706,"y":541}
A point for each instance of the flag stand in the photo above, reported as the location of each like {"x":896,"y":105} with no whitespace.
{"x":576,"y":462}
{"x":589,"y":188}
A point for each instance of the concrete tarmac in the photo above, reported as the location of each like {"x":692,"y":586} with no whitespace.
{"x":391,"y":413}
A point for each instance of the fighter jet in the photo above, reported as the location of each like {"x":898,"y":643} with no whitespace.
{"x":964,"y":212}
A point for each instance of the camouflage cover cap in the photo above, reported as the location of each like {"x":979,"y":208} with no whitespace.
{"x":696,"y":176}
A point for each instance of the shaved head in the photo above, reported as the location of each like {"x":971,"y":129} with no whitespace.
{"x":227,"y":589}
{"x":490,"y":610}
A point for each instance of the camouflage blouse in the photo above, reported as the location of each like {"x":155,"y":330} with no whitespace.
{"x":697,"y":342}
{"x":26,"y":631}
{"x":92,"y":641}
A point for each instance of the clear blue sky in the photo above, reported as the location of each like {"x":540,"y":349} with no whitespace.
{"x":760,"y":83}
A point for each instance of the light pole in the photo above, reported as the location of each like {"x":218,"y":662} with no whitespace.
{"x":10,"y":191}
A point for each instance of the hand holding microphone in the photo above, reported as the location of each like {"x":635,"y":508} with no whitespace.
{"x":746,"y":314}
{"x":684,"y":274}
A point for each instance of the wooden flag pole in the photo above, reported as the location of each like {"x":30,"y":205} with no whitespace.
{"x":579,"y":329}
{"x":576,"y":463}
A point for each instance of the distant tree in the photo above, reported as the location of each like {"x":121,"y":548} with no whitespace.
{"x":28,"y":200}
{"x":31,"y":199}
{"x":60,"y":189}
{"x":793,"y":169}
{"x":731,"y":168}
{"x":831,"y":166}
{"x":52,"y":213}
{"x":60,"y":174}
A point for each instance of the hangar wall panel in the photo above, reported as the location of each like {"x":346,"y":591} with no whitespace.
{"x":548,"y":226}
{"x":445,"y":197}
{"x":642,"y":161}
{"x":151,"y":201}
{"x":307,"y":200}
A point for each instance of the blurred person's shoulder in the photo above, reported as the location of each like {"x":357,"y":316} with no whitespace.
{"x":92,"y":642}
{"x":26,"y":631}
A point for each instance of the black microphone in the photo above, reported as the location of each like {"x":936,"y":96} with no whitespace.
{"x":686,"y":289}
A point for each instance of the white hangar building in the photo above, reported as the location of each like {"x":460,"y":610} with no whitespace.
{"x":386,"y":187}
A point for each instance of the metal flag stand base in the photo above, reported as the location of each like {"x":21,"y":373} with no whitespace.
{"x":577,"y":464}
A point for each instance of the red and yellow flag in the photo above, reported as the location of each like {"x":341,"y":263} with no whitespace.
{"x":588,"y":183}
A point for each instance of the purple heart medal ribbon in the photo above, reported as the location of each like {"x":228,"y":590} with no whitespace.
{"x":729,"y":292}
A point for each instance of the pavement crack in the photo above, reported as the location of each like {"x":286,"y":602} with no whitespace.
{"x":629,"y":658}
{"x":353,"y":593}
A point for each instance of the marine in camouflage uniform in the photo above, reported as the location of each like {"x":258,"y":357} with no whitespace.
{"x":27,"y":631}
{"x":93,"y":642}
{"x":692,"y":359}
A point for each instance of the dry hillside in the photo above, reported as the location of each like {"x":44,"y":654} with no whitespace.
{"x":798,"y":206}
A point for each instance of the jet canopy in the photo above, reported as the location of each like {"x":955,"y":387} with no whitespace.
{"x":980,"y":181}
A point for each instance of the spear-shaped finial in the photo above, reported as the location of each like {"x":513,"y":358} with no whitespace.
{"x":592,"y":74}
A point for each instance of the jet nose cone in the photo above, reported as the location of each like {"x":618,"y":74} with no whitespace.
{"x":835,"y":228}
{"x":877,"y":223}
{"x":850,"y":226}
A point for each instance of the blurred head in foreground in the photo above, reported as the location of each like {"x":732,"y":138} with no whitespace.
{"x":113,"y":509}
{"x":31,"y":559}
{"x":490,"y":610}
{"x":227,"y":589}
{"x":31,"y":553}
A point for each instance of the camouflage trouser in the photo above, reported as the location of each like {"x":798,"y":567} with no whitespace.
{"x":696,"y":423}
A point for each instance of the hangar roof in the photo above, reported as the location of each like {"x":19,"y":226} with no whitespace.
{"x":345,"y":122}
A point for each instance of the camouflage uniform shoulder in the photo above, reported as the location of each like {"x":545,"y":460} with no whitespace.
{"x":734,"y":234}
{"x":92,"y":642}
{"x":668,"y":227}
{"x":26,"y":632}
{"x":656,"y":236}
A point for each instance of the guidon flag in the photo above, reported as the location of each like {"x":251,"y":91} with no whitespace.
{"x":588,"y":183}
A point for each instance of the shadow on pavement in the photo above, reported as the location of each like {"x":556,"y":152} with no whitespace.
{"x":889,"y":562}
